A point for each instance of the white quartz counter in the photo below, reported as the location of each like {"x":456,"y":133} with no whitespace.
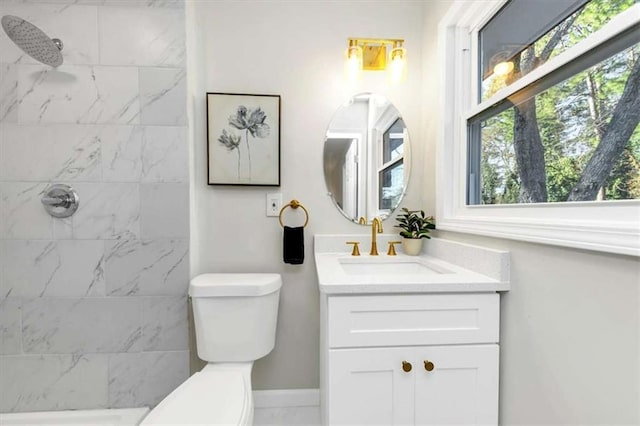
{"x":341,"y":273}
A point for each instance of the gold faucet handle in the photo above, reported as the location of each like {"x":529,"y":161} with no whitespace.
{"x":362,"y":220}
{"x":392,"y":248}
{"x":356,"y":250}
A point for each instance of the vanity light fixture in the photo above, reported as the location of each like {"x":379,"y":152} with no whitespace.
{"x":502,"y":63}
{"x":370,"y":54}
{"x":503,"y":68}
{"x":353,"y":60}
{"x":398,"y":62}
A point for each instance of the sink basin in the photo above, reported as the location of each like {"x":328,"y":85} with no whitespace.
{"x":385,"y":266}
{"x":341,"y":273}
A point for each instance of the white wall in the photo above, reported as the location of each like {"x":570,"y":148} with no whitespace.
{"x":294,"y":49}
{"x":570,"y":326}
{"x":570,"y":335}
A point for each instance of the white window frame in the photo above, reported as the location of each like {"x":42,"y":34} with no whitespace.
{"x":381,"y":165}
{"x":609,"y":226}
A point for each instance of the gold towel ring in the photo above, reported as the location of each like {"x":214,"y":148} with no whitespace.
{"x":294,"y":204}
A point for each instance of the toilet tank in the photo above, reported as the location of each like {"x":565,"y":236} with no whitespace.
{"x":235,"y":315}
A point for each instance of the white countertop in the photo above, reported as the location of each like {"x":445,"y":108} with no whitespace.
{"x":331,"y":253}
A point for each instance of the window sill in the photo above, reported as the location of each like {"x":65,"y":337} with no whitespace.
{"x":605,"y":236}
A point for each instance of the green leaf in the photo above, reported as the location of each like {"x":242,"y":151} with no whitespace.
{"x":414,"y":223}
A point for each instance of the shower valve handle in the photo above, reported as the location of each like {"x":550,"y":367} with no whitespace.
{"x":60,"y":200}
{"x":57,"y":201}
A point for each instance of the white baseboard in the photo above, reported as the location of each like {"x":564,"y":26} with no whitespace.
{"x":286,"y":398}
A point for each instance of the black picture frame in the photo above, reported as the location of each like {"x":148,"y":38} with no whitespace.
{"x":243,"y":139}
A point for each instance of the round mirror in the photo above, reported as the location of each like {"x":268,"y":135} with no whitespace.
{"x":366,"y":158}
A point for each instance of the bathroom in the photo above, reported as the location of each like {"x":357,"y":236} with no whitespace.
{"x":94,"y":308}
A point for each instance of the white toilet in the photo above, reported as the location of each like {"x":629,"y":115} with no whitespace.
{"x":235,"y":317}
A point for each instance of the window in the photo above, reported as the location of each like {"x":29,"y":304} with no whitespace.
{"x":546,"y":31}
{"x":391,"y":168}
{"x":541,"y":139}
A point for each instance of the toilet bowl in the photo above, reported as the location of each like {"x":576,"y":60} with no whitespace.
{"x":206,"y":398}
{"x":235,"y":318}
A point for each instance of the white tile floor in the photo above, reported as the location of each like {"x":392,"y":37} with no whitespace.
{"x":287,"y":416}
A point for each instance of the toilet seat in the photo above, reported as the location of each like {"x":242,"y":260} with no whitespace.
{"x":218,"y":397}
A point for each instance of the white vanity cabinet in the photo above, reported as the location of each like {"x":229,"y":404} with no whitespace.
{"x":378,"y":348}
{"x":409,"y":340}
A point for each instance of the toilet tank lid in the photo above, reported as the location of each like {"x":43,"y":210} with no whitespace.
{"x":217,"y":285}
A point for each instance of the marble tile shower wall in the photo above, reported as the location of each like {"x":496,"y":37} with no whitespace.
{"x":93,"y":309}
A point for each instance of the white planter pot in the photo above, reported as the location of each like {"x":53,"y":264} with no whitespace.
{"x":412,"y":246}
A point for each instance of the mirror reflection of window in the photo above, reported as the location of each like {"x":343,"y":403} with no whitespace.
{"x":365,"y":149}
{"x":393,"y":141}
{"x":391,"y":169}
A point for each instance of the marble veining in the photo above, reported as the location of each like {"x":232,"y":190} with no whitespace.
{"x":63,"y":228}
{"x":53,"y":382}
{"x":10,"y":326}
{"x":78,"y":94}
{"x":107,"y":211}
{"x":151,"y":268}
{"x":21,"y":212}
{"x":8,"y":93}
{"x":144,"y":37}
{"x":145,"y":378}
{"x":121,"y":153}
{"x":52,"y":268}
{"x":162,"y":96}
{"x":164,"y":154}
{"x":93,"y":308}
{"x":87,"y":325}
{"x":164,"y":324}
{"x":49,"y":152}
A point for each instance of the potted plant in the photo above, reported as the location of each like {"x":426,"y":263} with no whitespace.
{"x":415,"y":226}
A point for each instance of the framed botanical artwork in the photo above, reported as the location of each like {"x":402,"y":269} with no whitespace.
{"x":243,"y":139}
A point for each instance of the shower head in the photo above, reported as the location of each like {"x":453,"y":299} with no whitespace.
{"x":33,"y":41}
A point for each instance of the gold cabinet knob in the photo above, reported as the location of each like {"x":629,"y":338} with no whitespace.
{"x":392,"y":248}
{"x":428,"y":365}
{"x":356,"y":250}
{"x":406,"y":366}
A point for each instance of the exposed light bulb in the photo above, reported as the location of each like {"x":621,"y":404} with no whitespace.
{"x":503,"y":68}
{"x":353,"y":62}
{"x":398,"y":67}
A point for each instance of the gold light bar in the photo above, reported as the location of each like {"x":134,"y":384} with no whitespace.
{"x":374,"y":51}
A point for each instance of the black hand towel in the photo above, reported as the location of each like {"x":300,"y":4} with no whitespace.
{"x":293,"y":245}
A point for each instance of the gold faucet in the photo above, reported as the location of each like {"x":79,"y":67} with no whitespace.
{"x":376,"y":227}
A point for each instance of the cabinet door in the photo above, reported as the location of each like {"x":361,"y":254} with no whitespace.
{"x":462,"y":388}
{"x":369,"y":387}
